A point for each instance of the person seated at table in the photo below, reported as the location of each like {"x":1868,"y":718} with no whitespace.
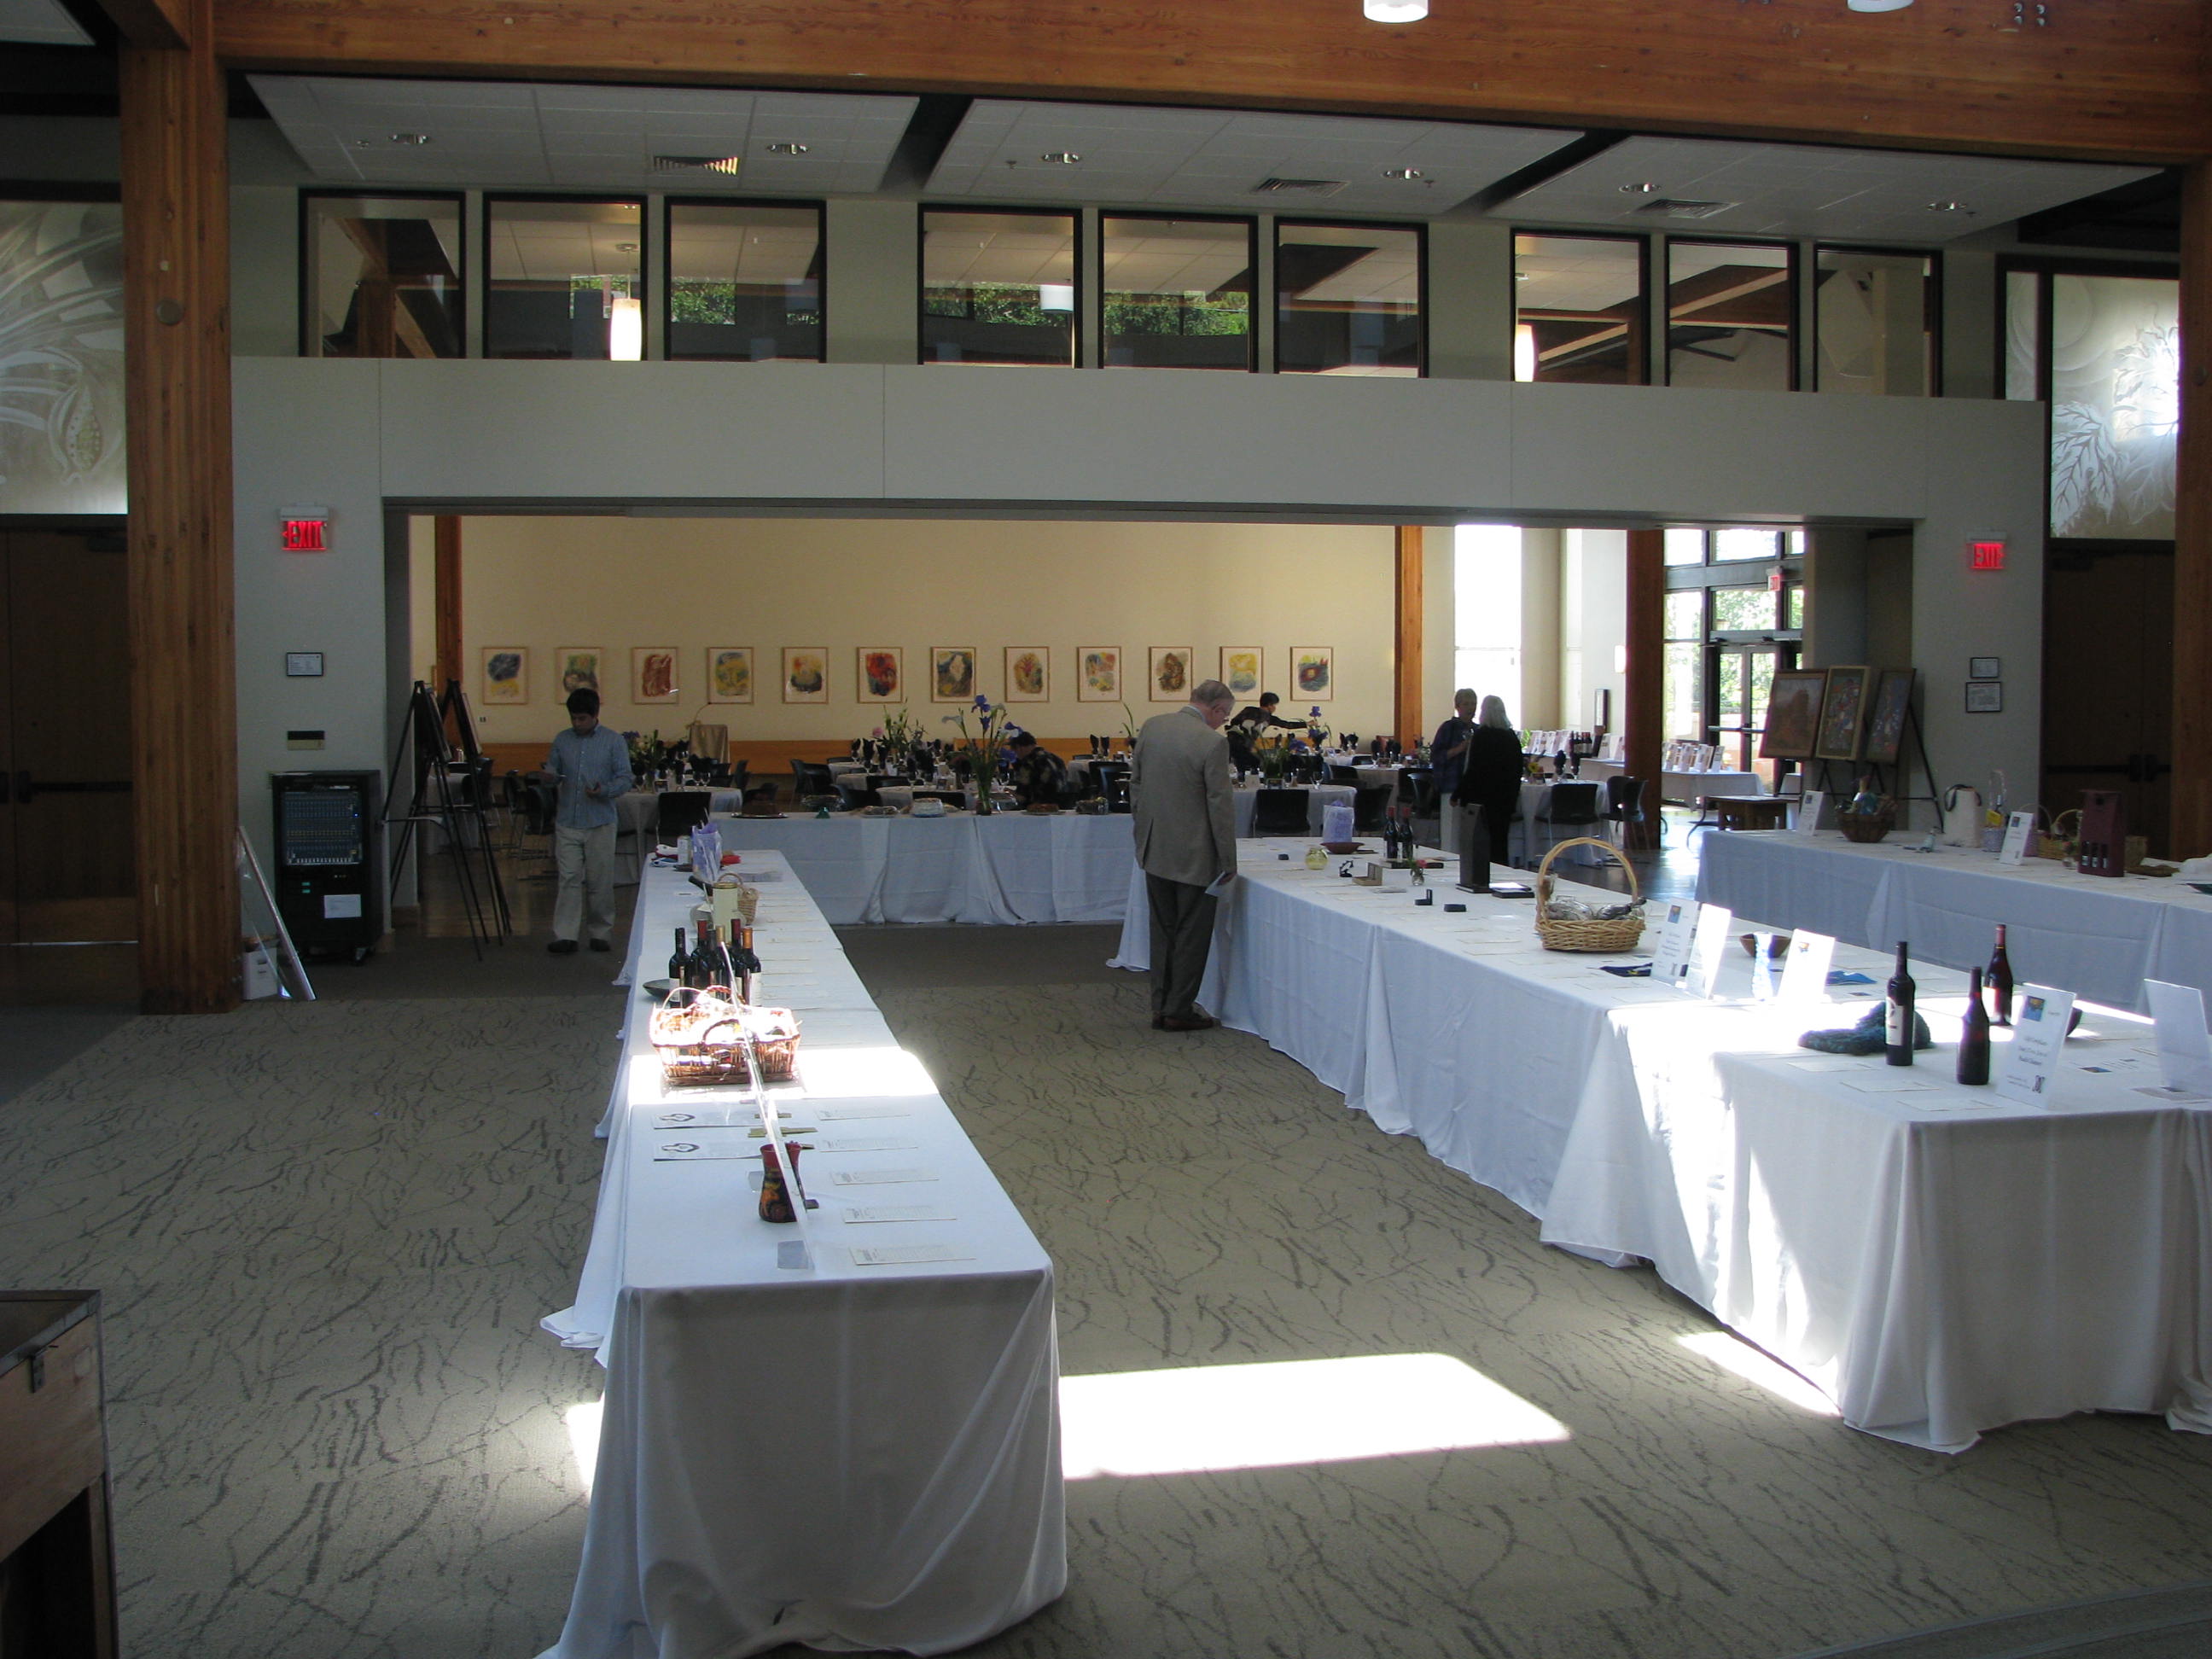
{"x":1039,"y":776}
{"x":1490,"y":774}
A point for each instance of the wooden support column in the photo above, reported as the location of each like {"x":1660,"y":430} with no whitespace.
{"x":2191,"y":836}
{"x":184,"y":703}
{"x":445,"y":589}
{"x":1645,"y":691}
{"x":1405,"y":703}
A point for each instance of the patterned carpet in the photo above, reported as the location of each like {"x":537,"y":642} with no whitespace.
{"x":326,"y":1234}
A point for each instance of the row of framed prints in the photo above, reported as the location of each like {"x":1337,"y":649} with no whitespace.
{"x":1837,"y":714}
{"x":879,"y":674}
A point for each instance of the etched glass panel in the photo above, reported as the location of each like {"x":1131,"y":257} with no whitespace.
{"x":61,"y":357}
{"x":2115,"y":405}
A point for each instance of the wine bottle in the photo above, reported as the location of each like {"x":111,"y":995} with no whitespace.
{"x":1974,"y":1035}
{"x":775,"y":1196}
{"x":1897,"y":1014}
{"x":703,"y":957}
{"x":748,"y":962}
{"x":2000,"y":982}
{"x":679,"y":964}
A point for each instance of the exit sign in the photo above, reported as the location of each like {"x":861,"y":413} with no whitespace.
{"x":1987,"y":554}
{"x":305,"y":535}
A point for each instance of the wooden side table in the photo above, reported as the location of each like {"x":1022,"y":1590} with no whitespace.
{"x":56,"y":1549}
{"x":1748,"y":811}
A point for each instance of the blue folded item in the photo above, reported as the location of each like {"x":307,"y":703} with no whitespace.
{"x":1845,"y":976}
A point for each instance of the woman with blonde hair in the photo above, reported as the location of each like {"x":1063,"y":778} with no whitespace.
{"x":1490,"y":774}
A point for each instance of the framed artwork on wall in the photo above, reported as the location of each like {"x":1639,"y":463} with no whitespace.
{"x":1098,"y":673}
{"x":1843,"y":714}
{"x":1885,"y":726}
{"x":1028,"y":674}
{"x":806,"y":673}
{"x":580,"y":668}
{"x":1793,"y":714}
{"x":729,"y":674}
{"x":1171,"y":678}
{"x":505,"y":673}
{"x":1242,"y":669}
{"x":879,"y":671}
{"x":951,"y":673}
{"x":1313,"y":673}
{"x":652,"y":673}
{"x":1984,"y":668}
{"x":1985,"y":697}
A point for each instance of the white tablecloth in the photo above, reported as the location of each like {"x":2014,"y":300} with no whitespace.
{"x":2098,"y":936}
{"x":845,"y":1456}
{"x":1007,"y":868}
{"x":1685,"y":785}
{"x":1939,"y":1262}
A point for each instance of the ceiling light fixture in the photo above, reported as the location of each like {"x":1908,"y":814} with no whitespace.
{"x":1061,"y":158}
{"x":1407,"y":175}
{"x":410,"y":138}
{"x":787,"y":149}
{"x":625,"y":247}
{"x":1644,"y":189}
{"x":1951,"y":207}
{"x":1395,"y":11}
{"x":1877,"y":5}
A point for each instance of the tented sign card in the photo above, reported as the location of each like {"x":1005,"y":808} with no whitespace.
{"x":1805,"y":974}
{"x":1670,"y":958}
{"x":2184,"y":1048}
{"x":2018,"y":828}
{"x":2039,"y":1031}
{"x":1709,"y":948}
{"x":1808,"y":813}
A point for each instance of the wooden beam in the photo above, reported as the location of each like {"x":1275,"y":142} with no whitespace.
{"x":158,"y":25}
{"x":2191,"y":832}
{"x":2118,"y":83}
{"x":1406,"y":702}
{"x":176,"y":287}
{"x":446,"y":590}
{"x":1645,"y":691}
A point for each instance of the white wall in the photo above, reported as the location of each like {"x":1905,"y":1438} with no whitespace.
{"x":1593,"y":623}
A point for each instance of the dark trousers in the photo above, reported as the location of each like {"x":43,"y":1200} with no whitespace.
{"x":1497,"y":812}
{"x":1182,"y":932}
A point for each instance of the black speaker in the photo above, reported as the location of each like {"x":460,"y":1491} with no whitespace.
{"x":1473,"y":849}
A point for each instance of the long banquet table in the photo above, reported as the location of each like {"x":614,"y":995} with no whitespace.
{"x":849,"y":1454}
{"x":2098,"y":936}
{"x":1940,"y":1261}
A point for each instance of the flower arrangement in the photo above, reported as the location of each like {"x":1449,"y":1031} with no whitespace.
{"x":978,"y":750}
{"x":1271,"y":750}
{"x":1316,"y":727}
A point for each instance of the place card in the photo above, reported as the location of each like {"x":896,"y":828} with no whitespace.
{"x":1675,"y":935}
{"x":2038,"y":1032}
{"x":1808,"y":813}
{"x":872,"y":1145}
{"x":839,"y":1113}
{"x":1827,"y":1063}
{"x":759,"y":1134}
{"x":2018,"y":828}
{"x":1805,"y":970}
{"x":880,"y":1177}
{"x":1900,"y":1081}
{"x":701,"y":1151}
{"x":900,"y":1255}
{"x":861,"y":1214}
{"x":2183,"y":1047}
{"x":1708,"y":946}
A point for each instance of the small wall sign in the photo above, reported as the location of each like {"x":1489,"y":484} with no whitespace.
{"x":1988,"y":554}
{"x":303,"y":665}
{"x":1984,"y":668}
{"x":1985,"y":697}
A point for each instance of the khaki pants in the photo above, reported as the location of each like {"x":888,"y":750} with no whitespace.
{"x":586,"y":861}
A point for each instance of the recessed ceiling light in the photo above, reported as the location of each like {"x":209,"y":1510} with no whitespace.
{"x":1395,"y":11}
{"x":1061,"y":158}
{"x":787,"y":149}
{"x":1644,"y":189}
{"x":1409,"y":175}
{"x":410,"y":138}
{"x":625,"y":247}
{"x":1951,"y":207}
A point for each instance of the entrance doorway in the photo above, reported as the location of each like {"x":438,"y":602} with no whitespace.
{"x":2108,"y":679}
{"x":68,"y":867}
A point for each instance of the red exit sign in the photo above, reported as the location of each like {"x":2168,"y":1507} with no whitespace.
{"x":305,"y":535}
{"x":1987,"y":555}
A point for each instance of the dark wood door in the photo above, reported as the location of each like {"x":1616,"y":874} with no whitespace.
{"x":2108,"y":678}
{"x":70,"y":871}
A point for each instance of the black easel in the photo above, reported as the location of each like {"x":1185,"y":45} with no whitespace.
{"x":459,"y":812}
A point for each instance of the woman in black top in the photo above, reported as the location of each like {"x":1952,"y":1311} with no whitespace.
{"x":1491,"y":775}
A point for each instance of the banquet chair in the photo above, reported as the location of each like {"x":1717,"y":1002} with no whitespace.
{"x":515,"y":795}
{"x":1113,"y":783}
{"x":855,"y":792}
{"x":1340,"y":772}
{"x":1571,"y":807}
{"x":1282,"y":812}
{"x":1369,"y":804}
{"x":680,"y":811}
{"x":1624,"y":804}
{"x":812,"y":778}
{"x":1417,"y":792}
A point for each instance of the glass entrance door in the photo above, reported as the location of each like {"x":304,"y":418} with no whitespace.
{"x":1743,"y":677}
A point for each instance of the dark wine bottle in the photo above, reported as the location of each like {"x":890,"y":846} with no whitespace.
{"x":679,"y":964}
{"x":2000,"y":982}
{"x":1897,"y":1022}
{"x":1974,"y":1036}
{"x":702,"y":958}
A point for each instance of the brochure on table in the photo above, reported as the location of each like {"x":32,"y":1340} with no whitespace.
{"x":2039,"y":1033}
{"x":1692,"y":941}
{"x":1670,"y":957}
{"x":2184,"y":1047}
{"x":2018,"y":828}
{"x":1808,"y":813}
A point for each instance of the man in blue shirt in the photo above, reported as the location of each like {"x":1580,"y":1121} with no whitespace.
{"x":592,"y":766}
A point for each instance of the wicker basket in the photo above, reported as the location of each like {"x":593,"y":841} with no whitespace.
{"x":1568,"y":933}
{"x":748,"y":899}
{"x":1867,"y":828}
{"x":699,"y":1036}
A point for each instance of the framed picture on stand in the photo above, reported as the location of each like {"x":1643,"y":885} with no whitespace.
{"x":1098,"y":673}
{"x":1028,"y":674}
{"x":1793,"y":714}
{"x":1885,"y":726}
{"x":1843,"y":714}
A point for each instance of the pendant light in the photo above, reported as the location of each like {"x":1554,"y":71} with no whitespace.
{"x":1395,"y":11}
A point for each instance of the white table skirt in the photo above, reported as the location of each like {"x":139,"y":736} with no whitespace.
{"x":1008,"y":868}
{"x":2098,"y":936}
{"x":1941,"y":1263}
{"x":842,"y":1456}
{"x":1684,"y":786}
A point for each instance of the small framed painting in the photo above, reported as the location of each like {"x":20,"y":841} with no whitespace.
{"x":1313,"y":673}
{"x":1885,"y":726}
{"x":1098,"y":673}
{"x":1028,"y":674}
{"x":1170,"y":677}
{"x":580,"y":667}
{"x":652,"y":673}
{"x":505,"y":673}
{"x":729,"y":674}
{"x":880,"y":670}
{"x":806,"y":673}
{"x":1984,"y":668}
{"x":1985,"y":697}
{"x":1793,"y":714}
{"x":951,"y":673}
{"x":1843,"y":714}
{"x":1241,"y":670}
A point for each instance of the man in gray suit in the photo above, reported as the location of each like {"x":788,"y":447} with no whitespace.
{"x":1186,"y":825}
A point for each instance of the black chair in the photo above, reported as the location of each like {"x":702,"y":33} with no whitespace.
{"x":1113,"y":783}
{"x":1283,"y":812}
{"x":1368,"y":805}
{"x":1624,"y":802}
{"x":1417,"y":792}
{"x":1341,"y":773}
{"x":1571,"y":807}
{"x":679,"y":811}
{"x":854,"y":791}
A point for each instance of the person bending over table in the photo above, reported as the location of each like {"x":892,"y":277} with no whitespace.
{"x":1490,"y":774}
{"x":1040,"y":777}
{"x":1186,"y":827}
{"x":592,"y":766}
{"x":1250,"y":721}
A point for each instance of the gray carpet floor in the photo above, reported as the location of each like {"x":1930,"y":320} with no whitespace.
{"x":326,"y":1233}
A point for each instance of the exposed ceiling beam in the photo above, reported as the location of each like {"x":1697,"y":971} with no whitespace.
{"x":162,"y":24}
{"x":2108,"y":83}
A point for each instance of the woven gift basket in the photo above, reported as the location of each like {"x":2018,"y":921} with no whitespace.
{"x":1587,"y":932}
{"x":748,"y":899}
{"x":1868,"y":827}
{"x":700,"y":1036}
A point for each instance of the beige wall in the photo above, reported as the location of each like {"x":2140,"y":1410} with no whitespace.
{"x":845,"y":583}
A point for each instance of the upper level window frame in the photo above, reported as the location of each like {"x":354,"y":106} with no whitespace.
{"x":1420,"y":229}
{"x":1251,"y":224}
{"x":645,"y":261}
{"x":1793,"y":277}
{"x":1933,"y":304}
{"x":667,"y":244}
{"x":303,"y":293}
{"x":1644,"y":262}
{"x":1030,"y":210}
